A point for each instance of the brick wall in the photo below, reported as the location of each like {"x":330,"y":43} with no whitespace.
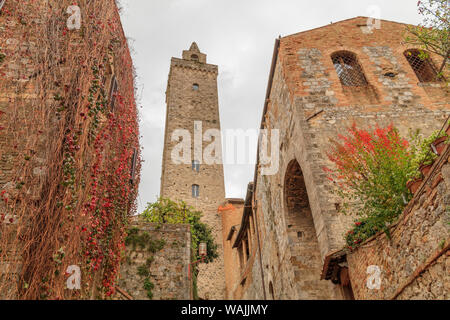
{"x":309,"y":105}
{"x":32,"y":128}
{"x":168,"y":267}
{"x":415,"y":262}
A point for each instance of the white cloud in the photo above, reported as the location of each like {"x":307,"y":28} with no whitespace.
{"x":237,"y":35}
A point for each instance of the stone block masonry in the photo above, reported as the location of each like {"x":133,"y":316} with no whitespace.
{"x":156,"y":263}
{"x":192,"y":97}
{"x":310,"y":101}
{"x":414,"y":263}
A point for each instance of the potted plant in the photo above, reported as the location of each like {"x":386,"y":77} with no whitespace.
{"x":425,"y":168}
{"x":440,"y":144}
{"x":414,"y":184}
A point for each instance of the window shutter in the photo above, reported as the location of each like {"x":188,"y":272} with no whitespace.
{"x":112,"y":93}
{"x":133,"y":166}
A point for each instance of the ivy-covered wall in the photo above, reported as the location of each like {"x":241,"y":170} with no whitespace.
{"x":69,"y":149}
{"x":156,"y":262}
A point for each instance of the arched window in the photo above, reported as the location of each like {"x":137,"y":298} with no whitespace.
{"x":194,"y":57}
{"x":195,"y":191}
{"x":195,"y":87}
{"x":348,"y":69}
{"x":422,"y":65}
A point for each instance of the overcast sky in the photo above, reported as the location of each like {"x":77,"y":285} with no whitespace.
{"x":238,"y":36}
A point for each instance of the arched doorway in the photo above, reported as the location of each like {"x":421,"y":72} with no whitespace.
{"x":302,"y":238}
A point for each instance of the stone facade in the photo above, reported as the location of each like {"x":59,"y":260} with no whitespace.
{"x":192,"y":100}
{"x":298,"y":218}
{"x":167,"y":263}
{"x":414,"y":263}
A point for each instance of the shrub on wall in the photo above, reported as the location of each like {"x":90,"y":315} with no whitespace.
{"x":370,"y":175}
{"x":168,"y":211}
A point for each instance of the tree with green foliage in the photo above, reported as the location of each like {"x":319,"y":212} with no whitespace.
{"x":432,"y":35}
{"x":172,"y":212}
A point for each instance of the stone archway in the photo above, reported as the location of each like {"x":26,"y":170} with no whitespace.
{"x":302,"y":238}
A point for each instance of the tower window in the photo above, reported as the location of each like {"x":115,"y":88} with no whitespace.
{"x":422,"y":66}
{"x":196,"y":165}
{"x":348,"y":69}
{"x":195,"y":191}
{"x":195,"y":87}
{"x":194,"y":57}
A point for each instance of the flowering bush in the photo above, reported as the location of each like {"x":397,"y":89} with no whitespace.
{"x":372,"y":169}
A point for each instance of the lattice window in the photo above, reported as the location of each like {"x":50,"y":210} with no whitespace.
{"x":348,"y":69}
{"x":422,"y":66}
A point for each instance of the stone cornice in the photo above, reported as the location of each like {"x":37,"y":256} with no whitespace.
{"x":176,"y":62}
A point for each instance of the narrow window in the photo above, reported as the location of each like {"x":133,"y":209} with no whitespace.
{"x":241,"y":256}
{"x":195,"y":87}
{"x":133,"y":166}
{"x":113,"y":92}
{"x":195,"y":191}
{"x":271,"y":290}
{"x":422,"y":65}
{"x":247,"y":248}
{"x":196,"y":165}
{"x":348,"y":69}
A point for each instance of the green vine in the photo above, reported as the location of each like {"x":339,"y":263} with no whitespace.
{"x":144,"y":241}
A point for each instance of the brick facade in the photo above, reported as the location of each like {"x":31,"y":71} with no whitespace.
{"x":309,"y":104}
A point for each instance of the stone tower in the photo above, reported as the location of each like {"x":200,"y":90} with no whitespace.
{"x":192,"y":106}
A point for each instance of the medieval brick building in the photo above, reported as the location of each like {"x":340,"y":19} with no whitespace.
{"x":290,"y":228}
{"x":69,"y":148}
{"x":192,"y":106}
